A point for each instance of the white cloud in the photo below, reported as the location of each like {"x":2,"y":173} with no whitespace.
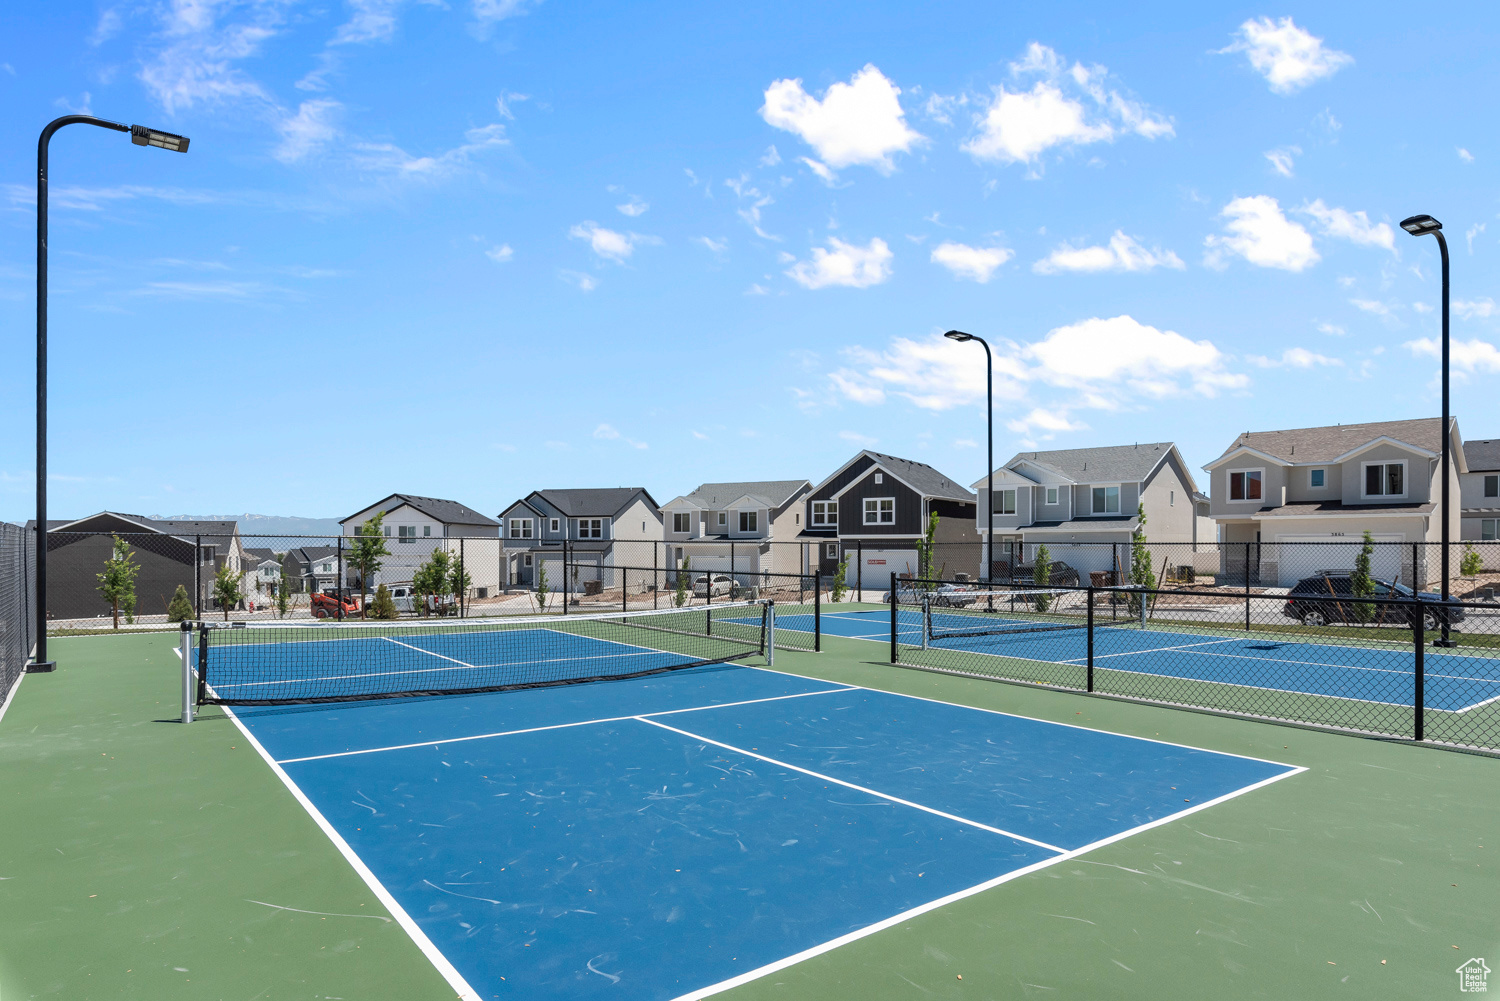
{"x":1421,"y":307}
{"x":1123,"y":254}
{"x":717,"y":246}
{"x":371,"y":21}
{"x":1052,"y":422}
{"x":771,"y":157}
{"x":606,"y":432}
{"x":1352,"y":226}
{"x":1019,"y":125}
{"x":1259,"y":232}
{"x":859,"y":122}
{"x":844,"y":264}
{"x":607,"y":243}
{"x":752,"y":200}
{"x":505,"y":100}
{"x":826,"y":175}
{"x":584,"y":282}
{"x":1472,"y":309}
{"x":1472,"y":232}
{"x":634,"y":207}
{"x":1465,"y":155}
{"x":975,"y":263}
{"x":308,"y":131}
{"x":863,"y":441}
{"x":1282,"y":159}
{"x":757,"y":289}
{"x":500,"y":254}
{"x":1098,"y":353}
{"x":1475,"y":355}
{"x":1293,"y":358}
{"x":1331,"y":329}
{"x":1371,"y":306}
{"x":488,"y":13}
{"x":392,"y":159}
{"x":965,"y":443}
{"x":1289,"y":57}
{"x":196,"y":64}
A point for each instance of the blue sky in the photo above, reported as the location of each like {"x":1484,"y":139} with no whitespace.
{"x":475,"y":247}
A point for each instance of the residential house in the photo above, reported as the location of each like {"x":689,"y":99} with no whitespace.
{"x":1085,"y":505}
{"x":875,"y":508}
{"x":601,"y":528}
{"x":1479,"y":490}
{"x":169,"y":552}
{"x":743,"y":528}
{"x":311,"y":568}
{"x":262,"y":569}
{"x":1292,"y":503}
{"x":416,"y":526}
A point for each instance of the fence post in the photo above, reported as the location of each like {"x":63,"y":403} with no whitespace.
{"x":197,"y":577}
{"x":734,"y":580}
{"x":1090,"y":679}
{"x":926,"y":618}
{"x":565,"y":573}
{"x":656,"y":578}
{"x":1247,"y":587}
{"x":624,"y":590}
{"x":818,"y":613}
{"x":895,"y":605}
{"x":859,"y":574}
{"x":1419,"y":674}
{"x":338,"y":584}
{"x":1416,"y":585}
{"x":463,"y":594}
{"x":770,"y":639}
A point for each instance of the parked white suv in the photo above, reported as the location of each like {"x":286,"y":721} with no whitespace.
{"x":708,"y":585}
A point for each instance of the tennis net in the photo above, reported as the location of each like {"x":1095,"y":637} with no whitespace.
{"x":971,"y":614}
{"x":285,"y":663}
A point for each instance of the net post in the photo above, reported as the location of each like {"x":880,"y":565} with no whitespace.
{"x":202,"y":661}
{"x":565,"y":565}
{"x":895,"y":605}
{"x":1090,"y":679}
{"x":624,"y":590}
{"x":708,"y":616}
{"x":768,"y":636}
{"x":817,"y":613}
{"x":186,"y":650}
{"x":463,"y":592}
{"x":1247,"y":587}
{"x":1419,"y":672}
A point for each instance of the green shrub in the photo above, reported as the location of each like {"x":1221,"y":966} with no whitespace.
{"x":180,"y":609}
{"x":384,"y":606}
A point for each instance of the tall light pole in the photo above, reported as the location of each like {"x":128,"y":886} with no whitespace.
{"x":989,"y":414}
{"x":141,"y":136}
{"x":1426,"y":225}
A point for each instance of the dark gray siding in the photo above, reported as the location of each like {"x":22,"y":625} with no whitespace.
{"x":852,"y":508}
{"x":75,"y":561}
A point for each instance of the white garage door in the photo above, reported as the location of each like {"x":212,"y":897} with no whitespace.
{"x":879,"y":565}
{"x":1305,"y":555}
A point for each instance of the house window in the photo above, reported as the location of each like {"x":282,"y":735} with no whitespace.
{"x":1051,"y":495}
{"x":407,"y":533}
{"x":1385,"y":479}
{"x":1106,"y":500}
{"x":831,"y":551}
{"x":1171,"y":498}
{"x":681,"y":522}
{"x":556,"y":524}
{"x":591,"y":528}
{"x":1316,"y":478}
{"x":1244,"y":485}
{"x":526,"y":560}
{"x":723,"y":518}
{"x":1005,"y":502}
{"x":387,"y":531}
{"x":879,"y":477}
{"x":1492,"y":486}
{"x":1489,"y":529}
{"x":825,"y":512}
{"x":748,"y":521}
{"x":880,"y":511}
{"x":520,"y":528}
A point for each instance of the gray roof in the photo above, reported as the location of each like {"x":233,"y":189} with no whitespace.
{"x":922,"y":478}
{"x":594,"y":501}
{"x":178,"y":528}
{"x":448,"y":512}
{"x":1482,"y":455}
{"x":1328,"y":443}
{"x":1125,"y":463}
{"x":1301,"y":508}
{"x":773,"y":493}
{"x":259,"y":554}
{"x":309,"y":554}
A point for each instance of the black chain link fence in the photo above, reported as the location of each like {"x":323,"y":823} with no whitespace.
{"x":17,"y":605}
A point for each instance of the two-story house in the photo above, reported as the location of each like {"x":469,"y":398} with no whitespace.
{"x":739,"y":528}
{"x":875,"y":508}
{"x":1480,"y":492}
{"x":602,"y":527}
{"x":262,"y":572}
{"x":1297,"y":502}
{"x":310,"y":569}
{"x":1084,"y":504}
{"x":415,"y":526}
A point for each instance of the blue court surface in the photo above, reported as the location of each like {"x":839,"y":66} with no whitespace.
{"x":1455,"y":682}
{"x":669,"y":836}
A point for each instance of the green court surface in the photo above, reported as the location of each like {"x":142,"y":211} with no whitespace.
{"x":143,"y":859}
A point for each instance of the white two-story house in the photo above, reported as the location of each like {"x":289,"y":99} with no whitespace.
{"x":601,"y":528}
{"x":1480,"y":490}
{"x":744,"y":528}
{"x":1297,"y":502}
{"x":414,"y":526}
{"x":1083,"y":504}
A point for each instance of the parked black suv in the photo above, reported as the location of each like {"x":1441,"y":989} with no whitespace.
{"x":1059,"y":574}
{"x":1322,"y":600}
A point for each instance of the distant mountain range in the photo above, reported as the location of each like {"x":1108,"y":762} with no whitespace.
{"x":264,"y":524}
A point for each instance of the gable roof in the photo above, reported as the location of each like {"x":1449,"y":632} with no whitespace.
{"x":772,"y":493}
{"x":1327,"y":444}
{"x":594,"y":501}
{"x":921,"y":477}
{"x":260,"y":554}
{"x":311,"y":554}
{"x":448,"y":512}
{"x":1123,"y":463}
{"x":1482,"y":455}
{"x":217,"y":529}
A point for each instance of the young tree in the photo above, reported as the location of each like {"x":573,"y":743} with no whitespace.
{"x":1141,"y":574}
{"x":459,"y":583}
{"x":227,"y":589}
{"x":1361,"y":584}
{"x":431,"y":578}
{"x":117,"y":582}
{"x":365,"y":553}
{"x":383,"y":606}
{"x":840,"y":585}
{"x":925,"y":548}
{"x":684,"y":582}
{"x":542,"y":587}
{"x":1471,"y":564}
{"x":283,"y":596}
{"x":1042,"y":577}
{"x":181,"y":607}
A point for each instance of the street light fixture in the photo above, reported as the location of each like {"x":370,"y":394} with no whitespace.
{"x":989,"y":395}
{"x":141,"y":136}
{"x":1426,"y":225}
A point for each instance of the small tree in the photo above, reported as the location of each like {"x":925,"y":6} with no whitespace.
{"x":283,"y":596}
{"x":925,"y":548}
{"x":1471,"y":564}
{"x":227,"y":589}
{"x":840,"y":581}
{"x":383,"y":606}
{"x":117,"y":582}
{"x":181,"y":607}
{"x":542,"y":587}
{"x":459,"y":583}
{"x":684,"y":582}
{"x":1141,"y":574}
{"x":1042,"y":577}
{"x":431,"y":578}
{"x":1361,"y":584}
{"x":365,"y":553}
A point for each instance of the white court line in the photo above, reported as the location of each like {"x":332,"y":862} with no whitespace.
{"x":907,"y":915}
{"x":1158,"y":649}
{"x":558,"y":726}
{"x":1302,"y":663}
{"x":455,"y":660}
{"x":435,"y":670}
{"x":11,"y":695}
{"x":858,"y":788}
{"x":433,"y":954}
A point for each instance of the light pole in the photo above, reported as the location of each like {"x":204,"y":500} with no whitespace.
{"x":1425,"y":225}
{"x":141,"y":136}
{"x":989,"y":413}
